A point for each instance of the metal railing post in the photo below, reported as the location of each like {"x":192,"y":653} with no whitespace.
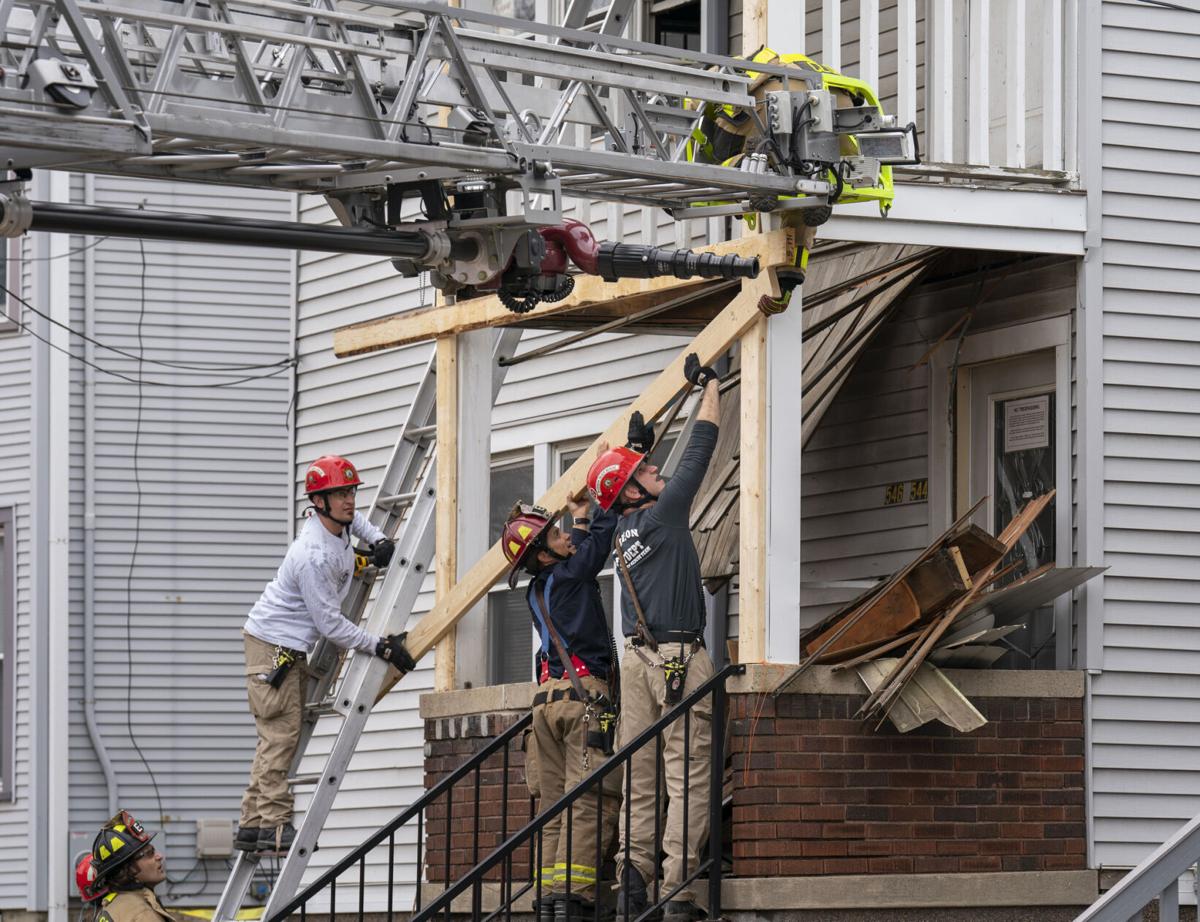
{"x":715,"y":799}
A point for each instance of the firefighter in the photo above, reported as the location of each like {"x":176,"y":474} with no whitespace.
{"x":127,"y":868}
{"x":300,"y":605}
{"x":662,"y":618}
{"x":574,"y":707}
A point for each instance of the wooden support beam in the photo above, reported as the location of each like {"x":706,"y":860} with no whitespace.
{"x":446,"y":515}
{"x":626,"y":295}
{"x":741,"y":314}
{"x":752,"y":552}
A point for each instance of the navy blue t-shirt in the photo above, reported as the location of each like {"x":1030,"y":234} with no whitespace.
{"x":572,"y":593}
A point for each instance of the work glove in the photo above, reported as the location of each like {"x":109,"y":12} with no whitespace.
{"x":696,"y":373}
{"x":392,"y":649}
{"x":381,"y":552}
{"x":641,"y":435}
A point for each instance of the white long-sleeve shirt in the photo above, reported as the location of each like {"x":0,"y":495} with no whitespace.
{"x":303,"y":602}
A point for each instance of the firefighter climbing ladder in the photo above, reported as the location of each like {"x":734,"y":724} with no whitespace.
{"x":405,"y":500}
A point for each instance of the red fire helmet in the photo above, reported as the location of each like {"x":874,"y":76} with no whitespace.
{"x":610,"y":472}
{"x":522,"y":533}
{"x":330,"y":472}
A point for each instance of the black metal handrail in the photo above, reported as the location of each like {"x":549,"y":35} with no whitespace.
{"x":416,"y":809}
{"x":526,"y":835}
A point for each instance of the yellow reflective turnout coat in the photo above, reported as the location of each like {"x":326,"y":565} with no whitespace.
{"x":133,"y":906}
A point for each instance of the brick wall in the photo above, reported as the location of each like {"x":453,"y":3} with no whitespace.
{"x":817,"y":792}
{"x":449,"y":742}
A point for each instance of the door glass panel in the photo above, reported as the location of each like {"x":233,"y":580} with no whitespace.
{"x":1023,"y":466}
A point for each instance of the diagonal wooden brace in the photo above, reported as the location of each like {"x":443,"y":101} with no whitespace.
{"x":725,"y":329}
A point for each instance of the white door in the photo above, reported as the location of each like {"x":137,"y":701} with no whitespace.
{"x":1007,"y":451}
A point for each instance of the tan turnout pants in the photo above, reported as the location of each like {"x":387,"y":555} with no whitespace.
{"x":554,"y":766}
{"x":267,"y":802}
{"x":643,"y":701}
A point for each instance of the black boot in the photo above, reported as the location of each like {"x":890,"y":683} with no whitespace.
{"x":277,"y":839}
{"x":246,"y":839}
{"x":543,"y":909}
{"x":631,"y":899}
{"x":682,"y":911}
{"x":575,"y":908}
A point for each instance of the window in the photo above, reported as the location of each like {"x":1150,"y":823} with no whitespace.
{"x":512,"y":481}
{"x":10,"y":275}
{"x":8,"y":646}
{"x":510,"y":654}
{"x":676,"y":24}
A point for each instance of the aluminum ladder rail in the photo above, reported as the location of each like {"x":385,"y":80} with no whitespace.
{"x":406,"y":495}
{"x":1156,"y":877}
{"x":312,"y":95}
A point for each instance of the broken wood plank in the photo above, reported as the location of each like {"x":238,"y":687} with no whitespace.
{"x":937,"y":581}
{"x":859,"y":605}
{"x":1021,"y":522}
{"x":876,"y":652}
{"x":624,"y":296}
{"x":977,"y":547}
{"x":886,"y":616}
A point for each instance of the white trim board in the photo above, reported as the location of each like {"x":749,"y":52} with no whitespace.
{"x":971,"y":218}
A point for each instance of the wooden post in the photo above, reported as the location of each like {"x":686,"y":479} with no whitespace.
{"x":446,"y":515}
{"x":754,"y":26}
{"x":752,"y":550}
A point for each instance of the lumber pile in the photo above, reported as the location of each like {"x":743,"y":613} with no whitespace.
{"x":935,"y":612}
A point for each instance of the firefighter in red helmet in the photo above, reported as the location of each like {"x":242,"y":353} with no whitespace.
{"x":663,"y":617}
{"x":124,"y":870}
{"x":298,"y":607}
{"x":91,"y":889}
{"x":575,"y":705}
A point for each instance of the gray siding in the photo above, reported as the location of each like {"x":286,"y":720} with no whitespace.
{"x":1146,"y":774}
{"x":212,"y":521}
{"x":15,"y":401}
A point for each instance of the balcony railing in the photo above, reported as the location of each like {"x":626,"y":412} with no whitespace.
{"x":990,"y":83}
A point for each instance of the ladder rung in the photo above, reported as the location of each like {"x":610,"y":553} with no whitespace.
{"x":417,"y":433}
{"x":396,"y":499}
{"x":304,"y":780}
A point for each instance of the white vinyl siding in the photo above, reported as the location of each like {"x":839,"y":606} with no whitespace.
{"x":15,"y":428}
{"x":212,"y":525}
{"x":1146,"y":764}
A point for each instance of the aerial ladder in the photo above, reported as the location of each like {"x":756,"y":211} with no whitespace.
{"x":443,"y":139}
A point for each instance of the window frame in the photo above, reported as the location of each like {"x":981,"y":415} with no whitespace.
{"x":8,"y":665}
{"x":10,"y":319}
{"x":509,"y":460}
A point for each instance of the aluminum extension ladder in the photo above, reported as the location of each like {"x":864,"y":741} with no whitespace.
{"x":328,"y":97}
{"x":404,"y":506}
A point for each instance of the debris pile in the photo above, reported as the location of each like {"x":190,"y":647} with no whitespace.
{"x":940,"y":610}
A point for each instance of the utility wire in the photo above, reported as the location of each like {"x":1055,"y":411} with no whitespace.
{"x":46,"y":259}
{"x":181,"y":366}
{"x":137,"y":537}
{"x":139,"y":381}
{"x":1172,"y":6}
